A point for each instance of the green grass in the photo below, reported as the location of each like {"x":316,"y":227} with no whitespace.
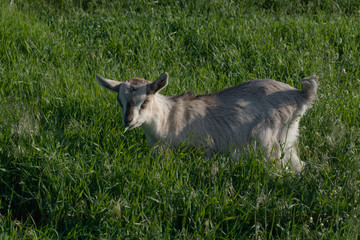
{"x":69,"y":171}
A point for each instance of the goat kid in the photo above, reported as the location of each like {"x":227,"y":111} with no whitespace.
{"x":263,"y":111}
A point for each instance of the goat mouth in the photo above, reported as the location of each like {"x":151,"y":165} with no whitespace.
{"x":130,"y":127}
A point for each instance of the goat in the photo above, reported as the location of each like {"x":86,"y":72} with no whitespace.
{"x":264,"y":111}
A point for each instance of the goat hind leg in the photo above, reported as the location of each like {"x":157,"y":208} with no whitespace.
{"x":292,"y":160}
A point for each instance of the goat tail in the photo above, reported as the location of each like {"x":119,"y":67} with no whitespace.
{"x":310,"y":85}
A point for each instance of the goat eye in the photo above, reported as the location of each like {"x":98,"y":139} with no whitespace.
{"x":143,"y":105}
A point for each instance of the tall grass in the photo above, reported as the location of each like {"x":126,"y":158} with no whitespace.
{"x":68,"y":170}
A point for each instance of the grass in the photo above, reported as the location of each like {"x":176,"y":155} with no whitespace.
{"x":69,"y":171}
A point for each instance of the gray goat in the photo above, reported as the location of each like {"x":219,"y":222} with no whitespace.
{"x":262,"y":111}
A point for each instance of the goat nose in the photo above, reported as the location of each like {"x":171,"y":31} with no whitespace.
{"x":127,"y":121}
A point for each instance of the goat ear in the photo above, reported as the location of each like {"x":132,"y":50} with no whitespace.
{"x":108,"y":84}
{"x":160,"y":83}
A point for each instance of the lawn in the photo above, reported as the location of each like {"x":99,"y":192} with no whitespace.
{"x":69,"y":171}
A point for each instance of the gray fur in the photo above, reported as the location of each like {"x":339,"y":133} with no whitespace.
{"x":263,"y":111}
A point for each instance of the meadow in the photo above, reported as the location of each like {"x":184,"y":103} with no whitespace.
{"x":69,"y":171}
